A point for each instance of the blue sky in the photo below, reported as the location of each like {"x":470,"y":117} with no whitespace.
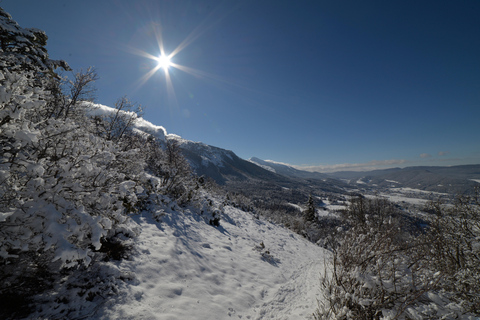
{"x":319,"y":84}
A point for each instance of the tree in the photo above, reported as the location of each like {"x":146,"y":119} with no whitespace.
{"x":310,"y":213}
{"x":116,"y":125}
{"x":454,"y":238}
{"x":24,"y":49}
{"x":166,"y":161}
{"x":80,"y":89}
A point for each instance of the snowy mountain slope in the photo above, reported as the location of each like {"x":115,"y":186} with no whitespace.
{"x":219,"y":164}
{"x":225,"y":167}
{"x":222,"y":165}
{"x":287,"y":170}
{"x":186,"y":269}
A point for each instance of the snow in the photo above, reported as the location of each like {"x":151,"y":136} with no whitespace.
{"x":392,"y":181}
{"x":296,"y":206}
{"x":328,"y":213}
{"x":398,"y":198}
{"x":140,"y":124}
{"x":5,"y":215}
{"x":359,"y":181}
{"x":148,"y":127}
{"x":209,"y":154}
{"x":187,"y":269}
{"x":334,"y":206}
{"x":411,"y":190}
{"x":263,"y":166}
{"x":408,"y":195}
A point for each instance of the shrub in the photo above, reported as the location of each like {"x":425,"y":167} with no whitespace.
{"x":379,"y":271}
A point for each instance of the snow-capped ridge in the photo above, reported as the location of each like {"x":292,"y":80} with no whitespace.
{"x":286,"y":169}
{"x":261,"y":163}
{"x":140,"y":124}
{"x":209,"y":155}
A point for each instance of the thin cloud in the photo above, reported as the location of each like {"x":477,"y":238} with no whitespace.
{"x":425,"y":155}
{"x":277,"y":162}
{"x":443,"y":153}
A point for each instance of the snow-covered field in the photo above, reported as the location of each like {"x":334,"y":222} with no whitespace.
{"x":187,"y":269}
{"x":408,"y":195}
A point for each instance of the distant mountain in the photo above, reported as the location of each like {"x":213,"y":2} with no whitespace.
{"x":288,"y":170}
{"x":454,"y":179}
{"x":226,"y":168}
{"x":222,"y":165}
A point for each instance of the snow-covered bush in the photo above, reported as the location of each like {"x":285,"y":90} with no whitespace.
{"x":165,"y":161}
{"x":455,"y":249}
{"x":64,"y":191}
{"x":24,"y":49}
{"x":69,"y":187}
{"x":379,"y":271}
{"x":117,"y":125}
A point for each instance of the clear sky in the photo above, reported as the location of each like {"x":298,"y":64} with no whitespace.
{"x":323,"y":84}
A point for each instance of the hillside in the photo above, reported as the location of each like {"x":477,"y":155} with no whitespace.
{"x":221,"y":165}
{"x":288,"y":170}
{"x":182,"y":268}
{"x":185,"y":268}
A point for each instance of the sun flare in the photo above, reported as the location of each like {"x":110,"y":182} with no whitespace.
{"x":164,"y":61}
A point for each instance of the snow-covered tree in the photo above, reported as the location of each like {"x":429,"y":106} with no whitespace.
{"x":24,"y":49}
{"x":118,"y":124}
{"x":166,"y":161}
{"x":310,"y":212}
{"x":64,"y":191}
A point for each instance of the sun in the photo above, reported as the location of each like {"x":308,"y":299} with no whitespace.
{"x":164,"y":61}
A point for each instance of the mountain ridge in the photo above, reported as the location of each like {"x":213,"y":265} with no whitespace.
{"x":224,"y":166}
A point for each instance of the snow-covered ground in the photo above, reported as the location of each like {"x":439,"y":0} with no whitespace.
{"x":332,"y":207}
{"x":418,"y":191}
{"x":187,"y":269}
{"x":409,"y":195}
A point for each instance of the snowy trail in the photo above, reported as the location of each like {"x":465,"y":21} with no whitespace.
{"x":296,"y":299}
{"x":187,"y":269}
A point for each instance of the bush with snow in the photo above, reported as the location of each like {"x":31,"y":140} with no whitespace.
{"x":381,"y":271}
{"x":64,"y":190}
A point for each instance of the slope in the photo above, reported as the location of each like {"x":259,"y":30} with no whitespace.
{"x":222,"y":165}
{"x":244,"y":269}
